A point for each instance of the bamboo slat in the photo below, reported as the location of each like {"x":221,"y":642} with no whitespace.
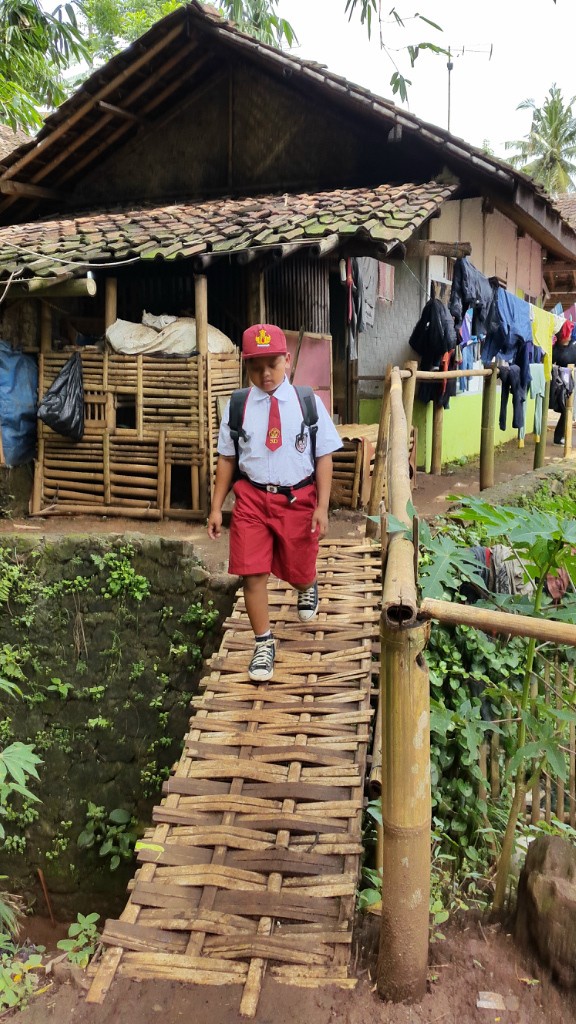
{"x":256,"y":848}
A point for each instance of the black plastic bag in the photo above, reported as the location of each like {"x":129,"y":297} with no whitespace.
{"x":62,"y":407}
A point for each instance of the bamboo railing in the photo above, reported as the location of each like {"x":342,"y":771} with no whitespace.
{"x":402,"y":736}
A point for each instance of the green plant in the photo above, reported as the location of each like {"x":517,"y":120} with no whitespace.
{"x":98,"y":723}
{"x":136,"y":671}
{"x":122,"y":580}
{"x":82,"y":940}
{"x":109,"y":833}
{"x":60,"y":842}
{"x":19,"y":974}
{"x":204,"y":619}
{"x":59,"y":687}
{"x":544,"y":542}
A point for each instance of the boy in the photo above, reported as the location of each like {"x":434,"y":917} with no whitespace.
{"x":281,"y":506}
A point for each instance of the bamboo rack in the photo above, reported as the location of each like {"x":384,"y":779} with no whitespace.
{"x":144,"y":415}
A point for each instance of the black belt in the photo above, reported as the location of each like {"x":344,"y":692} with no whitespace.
{"x":280,"y":488}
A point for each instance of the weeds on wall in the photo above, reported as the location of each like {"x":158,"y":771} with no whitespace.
{"x":56,"y":677}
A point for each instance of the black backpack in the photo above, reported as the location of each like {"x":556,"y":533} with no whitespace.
{"x":307,"y":400}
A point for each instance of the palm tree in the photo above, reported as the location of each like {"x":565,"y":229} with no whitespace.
{"x":548,"y":152}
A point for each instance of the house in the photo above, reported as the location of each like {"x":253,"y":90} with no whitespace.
{"x":201,"y":172}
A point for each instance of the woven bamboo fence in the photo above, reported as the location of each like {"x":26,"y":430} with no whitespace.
{"x":551,"y":797}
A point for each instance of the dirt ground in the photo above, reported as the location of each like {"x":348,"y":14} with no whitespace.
{"x":476,"y":956}
{"x":476,"y":960}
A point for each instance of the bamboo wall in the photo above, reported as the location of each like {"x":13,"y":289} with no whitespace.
{"x":150,"y":435}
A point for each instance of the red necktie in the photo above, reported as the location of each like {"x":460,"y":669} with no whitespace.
{"x":274,"y":433}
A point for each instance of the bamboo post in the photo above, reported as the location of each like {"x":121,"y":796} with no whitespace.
{"x":379,"y":471}
{"x":540,"y":449}
{"x":568,"y":418}
{"x":535,"y":809}
{"x":560,"y":789}
{"x":408,"y":392}
{"x":487,"y":430}
{"x":45,"y":327}
{"x":201,"y":314}
{"x":399,"y":599}
{"x":110,"y":301}
{"x":36,"y":497}
{"x":106,"y":468}
{"x":161,"y":470}
{"x":140,"y":395}
{"x":437,"y":428}
{"x":406,"y":808}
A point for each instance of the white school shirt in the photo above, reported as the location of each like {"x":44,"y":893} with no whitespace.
{"x":286,"y":465}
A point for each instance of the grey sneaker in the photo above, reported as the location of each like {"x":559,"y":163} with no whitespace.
{"x":307,"y":603}
{"x":262,"y":665}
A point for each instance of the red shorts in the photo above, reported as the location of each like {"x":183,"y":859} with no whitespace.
{"x":268,"y":534}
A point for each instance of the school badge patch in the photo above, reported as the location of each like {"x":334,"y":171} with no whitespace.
{"x":301,"y":443}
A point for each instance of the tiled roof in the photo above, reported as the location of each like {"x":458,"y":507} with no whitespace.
{"x":566,"y":204}
{"x":385,"y":216}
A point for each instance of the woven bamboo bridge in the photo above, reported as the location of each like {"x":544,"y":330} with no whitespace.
{"x":254,"y":859}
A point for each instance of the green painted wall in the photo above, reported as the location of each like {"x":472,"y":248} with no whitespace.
{"x":461,"y":432}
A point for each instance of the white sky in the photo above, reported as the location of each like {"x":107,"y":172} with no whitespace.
{"x":532,"y":48}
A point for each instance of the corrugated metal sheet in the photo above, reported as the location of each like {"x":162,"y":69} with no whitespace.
{"x":297,"y":295}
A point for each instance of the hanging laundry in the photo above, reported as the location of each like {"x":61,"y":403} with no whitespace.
{"x":386,"y":282}
{"x":537,"y":389}
{"x":434,"y":340}
{"x":354,"y":305}
{"x":368,"y":271}
{"x":511,"y":385}
{"x":509,"y":333}
{"x":470,"y":289}
{"x":543,"y":330}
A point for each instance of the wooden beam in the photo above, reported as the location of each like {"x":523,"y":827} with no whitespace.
{"x":424,"y":248}
{"x":10,"y":187}
{"x":558,"y":266}
{"x":128,"y":115}
{"x":58,"y":290}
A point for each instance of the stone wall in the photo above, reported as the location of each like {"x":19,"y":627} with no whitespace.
{"x":106,"y":637}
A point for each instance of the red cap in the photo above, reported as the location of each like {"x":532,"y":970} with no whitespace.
{"x":263,"y":340}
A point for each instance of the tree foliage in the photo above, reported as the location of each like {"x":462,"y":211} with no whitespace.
{"x":36,"y":48}
{"x":548,"y":152}
{"x":114,"y":23}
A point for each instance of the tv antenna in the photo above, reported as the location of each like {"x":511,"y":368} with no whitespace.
{"x":459,"y":52}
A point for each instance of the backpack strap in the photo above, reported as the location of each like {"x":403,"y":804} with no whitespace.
{"x":307,"y":400}
{"x":238,"y":401}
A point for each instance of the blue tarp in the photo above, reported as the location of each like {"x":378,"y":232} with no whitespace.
{"x":18,"y":401}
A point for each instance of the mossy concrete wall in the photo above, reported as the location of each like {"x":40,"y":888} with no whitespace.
{"x":106,"y":638}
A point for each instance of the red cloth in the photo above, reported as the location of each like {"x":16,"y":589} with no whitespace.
{"x":565,"y":332}
{"x":268,"y":534}
{"x":274,"y":432}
